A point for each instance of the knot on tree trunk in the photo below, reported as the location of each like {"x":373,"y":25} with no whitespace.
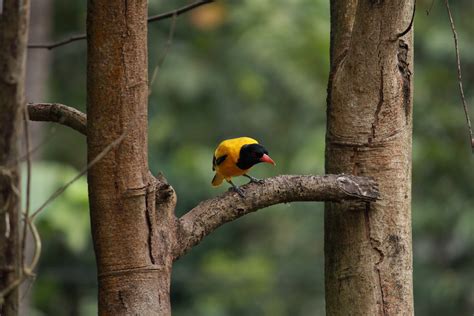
{"x":165,"y":194}
{"x":161,"y":221}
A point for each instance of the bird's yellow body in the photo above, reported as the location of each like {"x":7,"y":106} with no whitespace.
{"x":226,"y":157}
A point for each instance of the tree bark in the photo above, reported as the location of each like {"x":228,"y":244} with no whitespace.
{"x":135,"y":232}
{"x":13,"y":39}
{"x":368,"y":246}
{"x":59,"y":113}
{"x":211,"y":214}
{"x":129,"y":242}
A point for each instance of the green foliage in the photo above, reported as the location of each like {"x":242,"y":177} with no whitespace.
{"x":65,"y":231}
{"x":68,"y":215}
{"x":262,"y":71}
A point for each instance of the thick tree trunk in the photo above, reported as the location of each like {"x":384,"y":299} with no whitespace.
{"x":129,"y":239}
{"x":368,"y":246}
{"x":136,"y":235}
{"x":13,"y":38}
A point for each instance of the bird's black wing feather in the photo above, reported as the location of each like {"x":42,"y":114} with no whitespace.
{"x":217,"y":161}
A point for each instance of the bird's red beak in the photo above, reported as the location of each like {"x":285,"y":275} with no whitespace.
{"x":266,"y":158}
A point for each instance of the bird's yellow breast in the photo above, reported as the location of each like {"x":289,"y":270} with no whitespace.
{"x":231,"y":148}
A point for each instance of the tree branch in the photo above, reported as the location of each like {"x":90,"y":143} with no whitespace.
{"x":59,"y":113}
{"x":60,"y":190}
{"x":73,"y":38}
{"x":151,"y":19}
{"x":179,"y":11}
{"x":458,"y":64}
{"x":211,"y":214}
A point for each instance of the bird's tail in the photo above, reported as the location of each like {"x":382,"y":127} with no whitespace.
{"x":217,"y":180}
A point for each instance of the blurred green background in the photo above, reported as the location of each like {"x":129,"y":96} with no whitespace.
{"x":258,"y":68}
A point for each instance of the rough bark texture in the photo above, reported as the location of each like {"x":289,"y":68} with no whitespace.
{"x":13,"y":39}
{"x":368,"y":247}
{"x":133,"y":279}
{"x":211,"y":214}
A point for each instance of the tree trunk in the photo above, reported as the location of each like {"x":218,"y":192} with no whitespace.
{"x":13,"y":39}
{"x":130,"y":243}
{"x":36,"y":88}
{"x":136,"y":235}
{"x":368,"y":246}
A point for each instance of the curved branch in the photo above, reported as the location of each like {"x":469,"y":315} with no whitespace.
{"x":59,"y":113}
{"x":211,"y":214}
{"x":151,"y":19}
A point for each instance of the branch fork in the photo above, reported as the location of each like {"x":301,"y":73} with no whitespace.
{"x":210,"y":214}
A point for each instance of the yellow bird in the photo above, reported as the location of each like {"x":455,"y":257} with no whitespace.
{"x":234,"y":157}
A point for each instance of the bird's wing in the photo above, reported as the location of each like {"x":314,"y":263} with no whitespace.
{"x":218,"y":161}
{"x":230,"y":148}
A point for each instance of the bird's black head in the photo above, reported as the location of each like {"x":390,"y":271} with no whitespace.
{"x":253,"y":154}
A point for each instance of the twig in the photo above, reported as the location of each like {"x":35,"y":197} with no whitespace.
{"x":74,"y":38}
{"x":430,"y":8}
{"x":154,"y":18}
{"x":28,"y":183}
{"x":458,"y":63}
{"x":178,"y":11}
{"x":28,"y":271}
{"x":59,"y":113}
{"x":59,"y":191}
{"x":10,"y":288}
{"x":25,"y":271}
{"x":36,"y":237}
{"x":43,"y":142}
{"x":165,"y":52}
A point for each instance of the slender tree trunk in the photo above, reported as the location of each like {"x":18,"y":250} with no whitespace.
{"x":368,"y":246}
{"x":13,"y":38}
{"x":38,"y":60}
{"x":134,"y":267}
{"x":36,"y":88}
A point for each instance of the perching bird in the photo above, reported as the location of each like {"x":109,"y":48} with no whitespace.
{"x":234,"y":157}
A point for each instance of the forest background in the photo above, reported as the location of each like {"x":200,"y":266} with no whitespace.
{"x":255,"y":68}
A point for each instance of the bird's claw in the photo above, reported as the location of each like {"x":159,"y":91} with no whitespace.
{"x":238,"y":190}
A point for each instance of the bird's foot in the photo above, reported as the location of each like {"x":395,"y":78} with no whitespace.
{"x":238,"y":190}
{"x":254,"y":180}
